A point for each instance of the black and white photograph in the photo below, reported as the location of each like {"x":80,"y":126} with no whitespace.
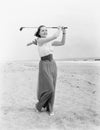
{"x":50,"y":65}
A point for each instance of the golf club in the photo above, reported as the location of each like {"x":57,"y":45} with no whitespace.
{"x":21,"y":28}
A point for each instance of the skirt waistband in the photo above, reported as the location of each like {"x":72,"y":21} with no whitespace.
{"x":48,"y":57}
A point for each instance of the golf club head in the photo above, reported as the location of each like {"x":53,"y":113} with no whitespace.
{"x":21,"y":28}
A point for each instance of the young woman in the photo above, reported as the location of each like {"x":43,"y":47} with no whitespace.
{"x":47,"y":67}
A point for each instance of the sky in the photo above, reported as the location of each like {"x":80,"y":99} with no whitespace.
{"x":82,"y":18}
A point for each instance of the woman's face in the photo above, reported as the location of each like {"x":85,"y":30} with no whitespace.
{"x":43,"y":32}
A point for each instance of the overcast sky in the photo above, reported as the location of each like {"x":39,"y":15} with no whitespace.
{"x":81,"y":16}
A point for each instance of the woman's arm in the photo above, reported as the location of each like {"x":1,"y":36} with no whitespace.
{"x":33,"y":42}
{"x":42,"y":41}
{"x":63,"y":40}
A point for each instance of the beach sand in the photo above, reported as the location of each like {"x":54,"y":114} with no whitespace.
{"x":77,"y":98}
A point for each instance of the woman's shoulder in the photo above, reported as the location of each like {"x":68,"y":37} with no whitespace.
{"x":38,"y":41}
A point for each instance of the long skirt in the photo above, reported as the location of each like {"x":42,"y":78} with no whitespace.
{"x":46,"y":84}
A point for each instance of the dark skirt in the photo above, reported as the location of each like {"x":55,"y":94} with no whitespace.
{"x":46,"y":84}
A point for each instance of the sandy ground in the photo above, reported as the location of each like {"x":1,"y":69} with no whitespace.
{"x":77,"y":100}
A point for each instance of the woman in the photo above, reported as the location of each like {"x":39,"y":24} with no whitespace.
{"x":47,"y":67}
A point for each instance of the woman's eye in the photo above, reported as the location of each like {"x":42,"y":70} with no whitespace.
{"x":44,"y":30}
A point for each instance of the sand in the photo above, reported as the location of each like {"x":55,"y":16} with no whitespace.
{"x":77,"y":99}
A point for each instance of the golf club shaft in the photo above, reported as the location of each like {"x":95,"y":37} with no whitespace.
{"x":21,"y":28}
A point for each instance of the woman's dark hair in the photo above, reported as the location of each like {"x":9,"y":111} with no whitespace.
{"x":37,"y":34}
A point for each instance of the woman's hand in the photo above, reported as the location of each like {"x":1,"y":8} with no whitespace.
{"x":63,"y":30}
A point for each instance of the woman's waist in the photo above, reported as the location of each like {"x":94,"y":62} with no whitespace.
{"x":48,"y":57}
